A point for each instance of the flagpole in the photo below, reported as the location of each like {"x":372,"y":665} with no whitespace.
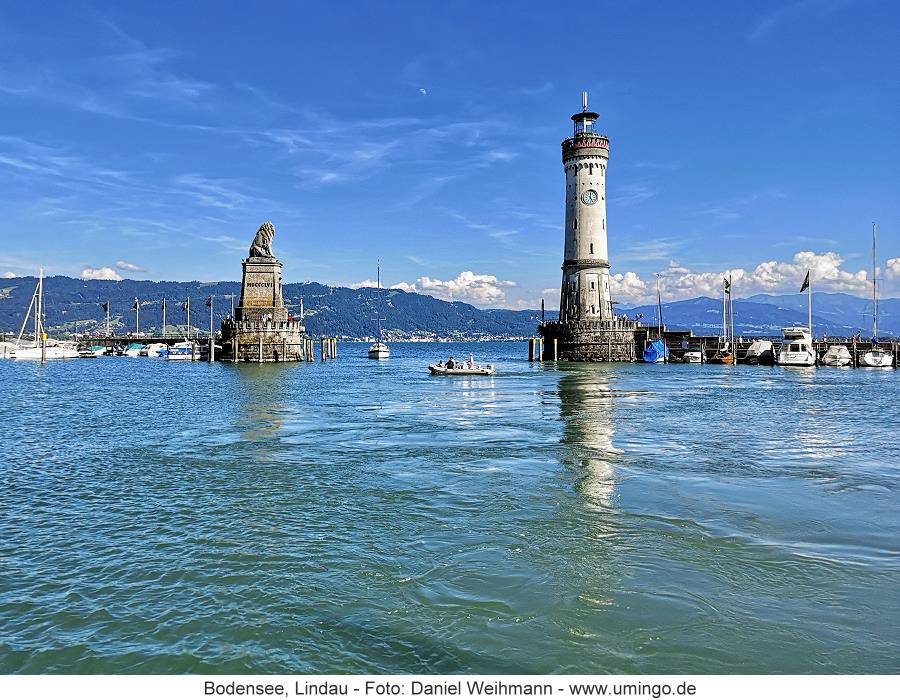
{"x":137,"y":317}
{"x":809,"y":307}
{"x":164,"y":319}
{"x":189,"y":317}
{"x":107,"y":318}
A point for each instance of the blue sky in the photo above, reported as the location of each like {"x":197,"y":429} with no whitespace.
{"x":150,"y":141}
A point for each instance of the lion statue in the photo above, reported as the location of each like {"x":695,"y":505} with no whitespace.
{"x":262,"y":243}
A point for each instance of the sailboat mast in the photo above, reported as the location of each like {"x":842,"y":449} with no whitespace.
{"x":731,"y":317}
{"x":724,"y":321}
{"x":874,"y":290}
{"x":37,"y":308}
{"x":41,"y":317}
{"x":658,"y":309}
{"x":378,"y":315}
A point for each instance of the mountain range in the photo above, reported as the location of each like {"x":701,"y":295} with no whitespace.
{"x":351,"y":313}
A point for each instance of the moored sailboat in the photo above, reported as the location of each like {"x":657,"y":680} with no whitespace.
{"x":657,"y":350}
{"x":875,"y":357}
{"x":379,"y":349}
{"x":724,"y":354}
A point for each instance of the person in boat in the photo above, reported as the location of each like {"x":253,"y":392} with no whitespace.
{"x":451,"y":363}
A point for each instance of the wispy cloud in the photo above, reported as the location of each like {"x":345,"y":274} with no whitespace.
{"x":794,"y":11}
{"x":630,"y":193}
{"x":129,"y":267}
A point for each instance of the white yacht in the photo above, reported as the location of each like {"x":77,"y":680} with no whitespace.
{"x":837,"y":356}
{"x":179,"y":351}
{"x":692,"y":357}
{"x":796,"y":348}
{"x":379,"y":349}
{"x":875,"y":357}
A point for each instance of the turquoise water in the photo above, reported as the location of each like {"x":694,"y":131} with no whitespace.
{"x":360,"y":516}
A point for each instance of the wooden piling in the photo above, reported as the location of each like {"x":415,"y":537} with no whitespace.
{"x":259,"y":352}
{"x":322,"y":343}
{"x":531,"y":346}
{"x":284,"y":349}
{"x":555,"y":350}
{"x":193,"y":351}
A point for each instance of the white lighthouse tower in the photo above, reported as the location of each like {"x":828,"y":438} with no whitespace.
{"x":584,"y":293}
{"x":586,"y":329}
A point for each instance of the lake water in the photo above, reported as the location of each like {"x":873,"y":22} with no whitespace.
{"x":362,"y":516}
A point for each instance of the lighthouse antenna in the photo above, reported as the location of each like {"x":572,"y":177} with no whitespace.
{"x":584,"y":101}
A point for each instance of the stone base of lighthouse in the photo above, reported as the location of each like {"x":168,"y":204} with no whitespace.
{"x":594,"y":341}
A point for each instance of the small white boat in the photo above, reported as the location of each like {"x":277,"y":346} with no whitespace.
{"x":877,"y":358}
{"x":837,"y":356}
{"x":692,"y":357}
{"x":461,"y":371}
{"x":379,"y":351}
{"x":152,"y":350}
{"x":796,"y":348}
{"x":760,"y":352}
{"x":461,"y":368}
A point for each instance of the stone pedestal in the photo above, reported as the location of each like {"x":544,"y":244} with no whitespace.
{"x":594,"y":341}
{"x":262,"y":330}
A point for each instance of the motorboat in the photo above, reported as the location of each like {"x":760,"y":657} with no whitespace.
{"x":178,"y":351}
{"x":114,"y":350}
{"x":86,"y":351}
{"x":379,"y":349}
{"x":656,"y":351}
{"x":461,"y":368}
{"x":796,"y":348}
{"x":692,"y":357}
{"x":877,"y":358}
{"x":760,"y":352}
{"x":461,"y":371}
{"x":133,"y":350}
{"x":837,"y":356}
{"x":151,"y":350}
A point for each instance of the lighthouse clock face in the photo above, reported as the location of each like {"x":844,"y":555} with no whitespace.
{"x":589,"y":197}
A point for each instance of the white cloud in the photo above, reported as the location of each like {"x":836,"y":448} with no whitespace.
{"x":9,"y":275}
{"x":100,"y":273}
{"x":467,"y":286}
{"x":771,"y":276}
{"x":129,"y":267}
{"x":364,"y":283}
{"x":404,"y":287}
{"x":893,"y":267}
{"x":481,"y":290}
{"x":627,"y":287}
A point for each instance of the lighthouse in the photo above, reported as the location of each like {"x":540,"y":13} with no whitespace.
{"x":587,"y":328}
{"x":584,"y":292}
